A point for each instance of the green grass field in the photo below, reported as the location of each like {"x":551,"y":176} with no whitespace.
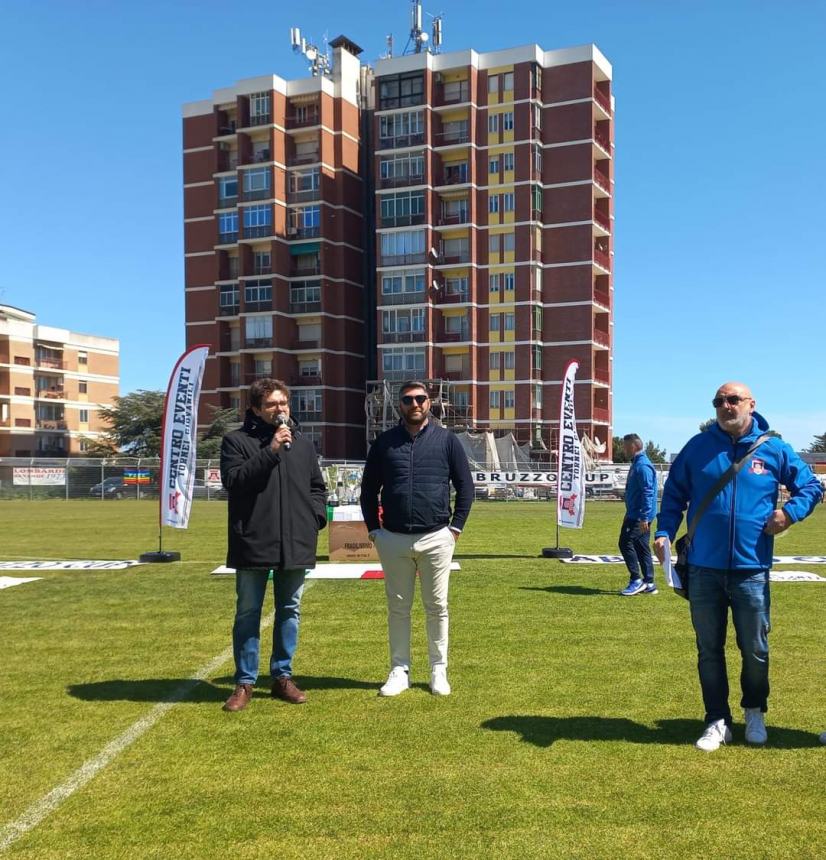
{"x":569,"y":732}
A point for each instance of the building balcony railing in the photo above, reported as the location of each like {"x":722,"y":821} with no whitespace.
{"x":304,"y":232}
{"x":463,"y":373}
{"x":599,"y":413}
{"x":451,"y":95}
{"x":228,"y":238}
{"x":306,"y":416}
{"x":401,"y":140}
{"x":402,"y":259}
{"x":257,"y":194}
{"x":601,"y":337}
{"x":401,"y":181}
{"x":52,"y":363}
{"x":260,"y":231}
{"x":602,"y":298}
{"x":404,"y":220}
{"x":52,"y":394}
{"x":234,"y":380}
{"x":455,"y":336}
{"x":306,"y":344}
{"x":262,"y":270}
{"x":229,"y":310}
{"x":227,"y":161}
{"x":403,"y":337}
{"x":52,"y":451}
{"x":601,"y":376}
{"x":260,"y":119}
{"x":457,"y":297}
{"x":230,"y":344}
{"x":227,"y":202}
{"x":602,"y":219}
{"x":264,"y":305}
{"x":451,"y":137}
{"x":306,"y":379}
{"x":307,"y":195}
{"x":55,"y":424}
{"x":401,"y":298}
{"x":455,"y":178}
{"x":400,"y":375}
{"x":257,"y":342}
{"x":303,"y":158}
{"x":602,"y":99}
{"x":305,"y":270}
{"x":305,"y":307}
{"x":299,"y":120}
{"x":261,"y":156}
{"x":602,"y":258}
{"x":602,"y":180}
{"x":602,"y":139}
{"x":462,"y":217}
{"x":449,"y":259}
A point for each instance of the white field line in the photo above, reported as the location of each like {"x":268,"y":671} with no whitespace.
{"x":47,"y":804}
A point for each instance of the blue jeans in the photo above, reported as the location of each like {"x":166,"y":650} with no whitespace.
{"x":636,"y":551}
{"x":251,"y":588}
{"x":711,"y":593}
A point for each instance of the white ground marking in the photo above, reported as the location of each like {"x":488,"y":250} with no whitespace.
{"x":47,"y":804}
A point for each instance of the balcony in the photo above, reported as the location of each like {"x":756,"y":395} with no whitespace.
{"x":602,"y":100}
{"x":454,"y":93}
{"x":401,"y":140}
{"x":602,"y":298}
{"x":455,"y":177}
{"x":229,"y":310}
{"x":602,"y":220}
{"x":51,"y":363}
{"x":257,"y":342}
{"x":262,"y":270}
{"x":450,"y":258}
{"x":52,"y":451}
{"x":305,"y":270}
{"x":305,"y":307}
{"x":303,"y":120}
{"x":412,"y":220}
{"x":451,"y":137}
{"x":303,"y":158}
{"x":264,"y":305}
{"x":601,"y":337}
{"x":602,"y":140}
{"x":227,"y":161}
{"x":401,"y":181}
{"x":403,"y":337}
{"x":228,"y":238}
{"x":402,"y":259}
{"x":306,"y":344}
{"x":601,"y":376}
{"x":257,"y":194}
{"x":52,"y":394}
{"x":306,"y":379}
{"x":602,"y":258}
{"x":599,"y":413}
{"x":304,"y":232}
{"x":451,"y":298}
{"x":307,"y":195}
{"x":401,"y":375}
{"x":401,"y":298}
{"x":260,"y":231}
{"x":227,"y":202}
{"x":449,"y":218}
{"x":261,"y":156}
{"x":306,"y":416}
{"x":457,"y":336}
{"x":460,"y":375}
{"x":55,"y":424}
{"x":602,"y":181}
{"x":260,"y":119}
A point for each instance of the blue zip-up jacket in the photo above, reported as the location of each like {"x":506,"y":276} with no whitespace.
{"x":730,"y":534}
{"x":641,"y":490}
{"x":414,"y":475}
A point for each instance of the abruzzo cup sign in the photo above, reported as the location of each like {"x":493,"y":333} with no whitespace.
{"x":570,"y":487}
{"x":180,"y":425}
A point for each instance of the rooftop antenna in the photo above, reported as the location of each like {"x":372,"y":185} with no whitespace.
{"x":436,"y":40}
{"x":320,"y":63}
{"x":418,"y":39}
{"x":389,"y":40}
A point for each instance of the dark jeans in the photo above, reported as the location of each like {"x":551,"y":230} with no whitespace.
{"x":635,"y":549}
{"x":711,"y":594}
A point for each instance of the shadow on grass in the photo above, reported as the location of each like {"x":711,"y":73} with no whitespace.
{"x":187,"y":690}
{"x":575,"y":590}
{"x":543,"y":731}
{"x":460,"y":555}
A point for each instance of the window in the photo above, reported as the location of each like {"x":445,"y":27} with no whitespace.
{"x":403,"y":243}
{"x":402,"y":282}
{"x":495,"y":322}
{"x":509,"y":279}
{"x":537,"y":117}
{"x":495,"y":399}
{"x":408,"y":361}
{"x":493,"y":283}
{"x":493,"y":83}
{"x":228,"y":224}
{"x":259,"y":107}
{"x":228,"y":297}
{"x":256,"y":180}
{"x":508,"y":201}
{"x":257,"y":291}
{"x":507,"y":81}
{"x":509,"y":322}
{"x":455,"y":173}
{"x":537,"y":397}
{"x":309,"y":368}
{"x":403,"y":321}
{"x":228,"y":187}
{"x":84,"y":416}
{"x":306,"y":401}
{"x":536,"y":358}
{"x":396,"y":207}
{"x":263,"y":367}
{"x":303,"y":180}
{"x":537,"y":159}
{"x":536,"y":198}
{"x":83,"y":358}
{"x":537,"y":318}
{"x":494,"y":243}
{"x":257,"y":216}
{"x":262,"y":262}
{"x":507,"y":160}
{"x":510,"y":360}
{"x":456,"y":286}
{"x":305,"y":292}
{"x":493,"y":122}
{"x":508,"y":242}
{"x":493,"y":203}
{"x":510,"y":399}
{"x":456,"y":324}
{"x":493,"y":164}
{"x":258,"y":328}
{"x":495,"y":360}
{"x":536,"y":76}
{"x":401,"y":125}
{"x":507,"y":121}
{"x":401,"y":90}
{"x":82,"y":386}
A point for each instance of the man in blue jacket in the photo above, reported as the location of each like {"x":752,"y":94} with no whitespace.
{"x":640,"y":510}
{"x":731,"y":554}
{"x":413,"y":465}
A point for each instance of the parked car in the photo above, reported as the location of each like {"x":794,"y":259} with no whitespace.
{"x":112,"y":488}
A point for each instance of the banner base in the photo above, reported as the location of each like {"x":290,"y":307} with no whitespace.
{"x":159,"y":557}
{"x":555,"y":552}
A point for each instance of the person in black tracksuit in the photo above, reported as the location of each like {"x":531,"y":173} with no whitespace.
{"x":413,"y":466}
{"x":276,"y":508}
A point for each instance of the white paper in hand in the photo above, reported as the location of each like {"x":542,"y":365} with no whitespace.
{"x":671,"y":575}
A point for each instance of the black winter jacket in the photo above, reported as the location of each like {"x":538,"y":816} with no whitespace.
{"x":276,"y":499}
{"x":414,"y":475}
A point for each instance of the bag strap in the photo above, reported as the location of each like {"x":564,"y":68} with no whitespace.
{"x":721,"y":482}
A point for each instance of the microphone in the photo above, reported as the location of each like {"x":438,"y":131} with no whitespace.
{"x":283,"y":421}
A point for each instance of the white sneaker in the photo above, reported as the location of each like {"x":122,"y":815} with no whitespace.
{"x":755,"y":727}
{"x":716,"y":733}
{"x":438,"y":681}
{"x":397,"y":682}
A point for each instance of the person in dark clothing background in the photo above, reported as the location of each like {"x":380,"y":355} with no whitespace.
{"x":413,"y":465}
{"x":276,"y":508}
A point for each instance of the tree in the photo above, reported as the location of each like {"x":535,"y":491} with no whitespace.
{"x":134,"y":424}
{"x":223,"y":420}
{"x":655,"y":453}
{"x":818,"y":445}
{"x":618,"y":454}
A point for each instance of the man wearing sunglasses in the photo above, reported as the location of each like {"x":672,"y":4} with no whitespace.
{"x":412,"y":466}
{"x":731,"y":554}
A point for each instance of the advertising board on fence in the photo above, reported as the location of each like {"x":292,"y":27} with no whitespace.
{"x":544,"y":479}
{"x":39,"y":476}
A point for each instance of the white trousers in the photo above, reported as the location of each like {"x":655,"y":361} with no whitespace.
{"x":401,"y":555}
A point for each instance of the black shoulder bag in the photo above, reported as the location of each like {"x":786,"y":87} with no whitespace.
{"x":684,"y":543}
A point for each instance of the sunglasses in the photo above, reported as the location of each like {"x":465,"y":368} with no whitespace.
{"x":408,"y":399}
{"x":731,"y":399}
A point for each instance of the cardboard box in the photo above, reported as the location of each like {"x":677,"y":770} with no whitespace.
{"x":348,"y":536}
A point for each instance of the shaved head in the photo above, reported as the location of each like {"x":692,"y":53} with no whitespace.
{"x":736,"y":404}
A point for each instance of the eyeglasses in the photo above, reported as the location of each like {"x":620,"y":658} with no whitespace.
{"x":731,"y":399}
{"x":408,"y":399}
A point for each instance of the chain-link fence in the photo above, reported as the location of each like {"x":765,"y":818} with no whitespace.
{"x":137,"y":478}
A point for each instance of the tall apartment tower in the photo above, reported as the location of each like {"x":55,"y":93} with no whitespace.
{"x":444,"y":216}
{"x":52,"y":384}
{"x":274,"y":245}
{"x":494,"y":176}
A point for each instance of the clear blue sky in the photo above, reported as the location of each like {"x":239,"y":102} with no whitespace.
{"x":719,"y":177}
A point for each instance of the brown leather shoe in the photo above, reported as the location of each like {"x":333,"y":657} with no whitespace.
{"x":285,"y":689}
{"x":239,"y":699}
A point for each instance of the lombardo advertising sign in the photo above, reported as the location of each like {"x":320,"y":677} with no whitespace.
{"x":39,"y":477}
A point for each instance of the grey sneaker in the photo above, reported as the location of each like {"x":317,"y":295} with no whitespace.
{"x":716,"y":734}
{"x":755,"y":727}
{"x":650,"y":588}
{"x":633,"y":587}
